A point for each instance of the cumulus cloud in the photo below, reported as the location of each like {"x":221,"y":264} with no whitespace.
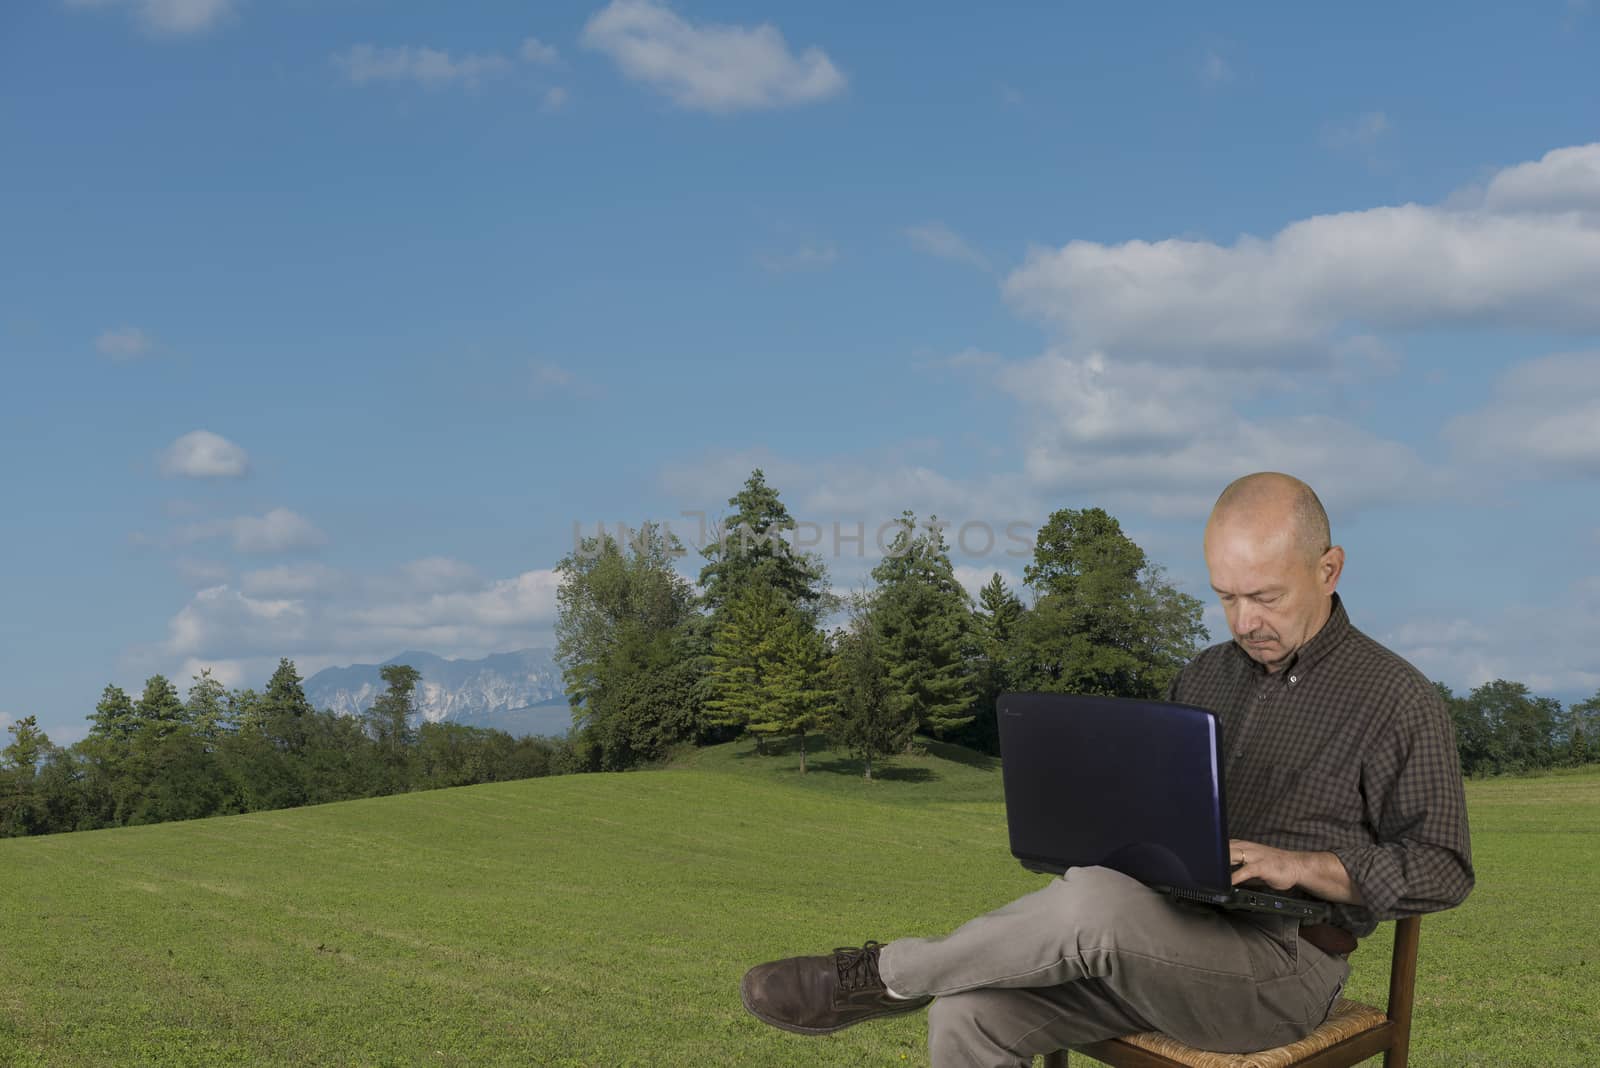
{"x":1162,"y":440}
{"x":291,"y":580}
{"x":202,"y":454}
{"x":1549,"y":646}
{"x":937,"y":239}
{"x":1544,"y":415}
{"x":709,"y":67}
{"x":278,"y":531}
{"x":429,"y":67}
{"x":321,"y":616}
{"x":167,"y":17}
{"x":124,"y":343}
{"x":1525,"y":253}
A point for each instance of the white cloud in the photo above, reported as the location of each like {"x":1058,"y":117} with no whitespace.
{"x":709,"y":67}
{"x":1163,"y":440}
{"x":1525,"y":253}
{"x":434,"y":604}
{"x":430,"y":67}
{"x":169,"y":17}
{"x":280,"y":530}
{"x":1548,"y":646}
{"x":291,"y":580}
{"x":808,"y":257}
{"x":554,"y":99}
{"x":1543,"y":412}
{"x":202,"y":454}
{"x":124,"y":343}
{"x":537,"y":52}
{"x":1564,"y":179}
{"x":937,"y":239}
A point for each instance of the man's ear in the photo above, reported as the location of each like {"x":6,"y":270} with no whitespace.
{"x":1330,"y":567}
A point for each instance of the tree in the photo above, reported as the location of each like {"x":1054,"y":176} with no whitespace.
{"x":1105,"y":620}
{"x":21,"y":811}
{"x":922,"y":617}
{"x":742,"y":658}
{"x":159,"y":710}
{"x":864,"y":719}
{"x":1503,"y":727}
{"x":794,"y":694}
{"x":284,"y":709}
{"x":1584,"y":716}
{"x":208,"y":706}
{"x":391,"y":714}
{"x":995,"y":627}
{"x":751,"y":547}
{"x":113,"y":717}
{"x":629,"y":647}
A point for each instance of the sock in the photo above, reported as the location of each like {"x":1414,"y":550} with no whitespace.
{"x":897,"y":997}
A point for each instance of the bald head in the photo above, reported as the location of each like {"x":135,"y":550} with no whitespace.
{"x":1272,"y":564}
{"x":1268,"y":501}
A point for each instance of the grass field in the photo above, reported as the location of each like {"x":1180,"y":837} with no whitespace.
{"x":606,"y":920}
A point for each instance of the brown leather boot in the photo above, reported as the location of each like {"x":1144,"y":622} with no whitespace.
{"x":820,"y":995}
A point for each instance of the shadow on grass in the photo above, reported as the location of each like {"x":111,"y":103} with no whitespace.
{"x":885,"y":772}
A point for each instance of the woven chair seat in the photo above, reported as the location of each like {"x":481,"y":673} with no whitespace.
{"x":1348,"y":1018}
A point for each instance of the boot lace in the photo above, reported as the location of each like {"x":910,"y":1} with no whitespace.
{"x":858,"y":967}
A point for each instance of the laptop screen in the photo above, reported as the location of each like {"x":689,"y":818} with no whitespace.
{"x":1131,"y":785}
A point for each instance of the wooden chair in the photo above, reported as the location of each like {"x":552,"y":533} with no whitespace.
{"x":1352,"y":1033}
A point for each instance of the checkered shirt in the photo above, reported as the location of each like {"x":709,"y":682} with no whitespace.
{"x":1349,"y":749}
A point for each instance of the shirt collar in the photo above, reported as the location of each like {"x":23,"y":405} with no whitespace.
{"x":1305,"y":658}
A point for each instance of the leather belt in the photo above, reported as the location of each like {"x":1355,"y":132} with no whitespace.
{"x":1334,"y":941}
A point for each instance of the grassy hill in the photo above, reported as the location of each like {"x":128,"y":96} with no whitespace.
{"x":606,"y":920}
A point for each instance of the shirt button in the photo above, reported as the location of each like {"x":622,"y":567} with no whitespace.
{"x":1294,"y":678}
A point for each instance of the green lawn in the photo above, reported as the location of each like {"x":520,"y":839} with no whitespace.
{"x":606,"y":920}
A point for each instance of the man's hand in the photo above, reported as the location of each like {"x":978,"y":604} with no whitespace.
{"x":1319,"y":874}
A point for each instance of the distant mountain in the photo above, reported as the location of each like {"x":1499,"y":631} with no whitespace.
{"x":519,"y":693}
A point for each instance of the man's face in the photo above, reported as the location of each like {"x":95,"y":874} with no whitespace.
{"x":1274,"y":595}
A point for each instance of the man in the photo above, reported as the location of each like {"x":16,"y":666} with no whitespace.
{"x":1343,"y":783}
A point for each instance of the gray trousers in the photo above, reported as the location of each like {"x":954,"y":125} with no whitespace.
{"x":1095,"y":954}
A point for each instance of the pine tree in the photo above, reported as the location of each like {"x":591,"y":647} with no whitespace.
{"x":284,"y":710}
{"x":113,"y":718}
{"x":741,"y":658}
{"x":159,"y":710}
{"x":922,"y":617}
{"x":755,"y":545}
{"x":995,"y":625}
{"x":391,"y":714}
{"x":208,"y":706}
{"x":794,"y":696}
{"x":863,"y":719}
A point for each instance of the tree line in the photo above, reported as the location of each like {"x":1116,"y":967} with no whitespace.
{"x":215,"y":752}
{"x":649,"y":662}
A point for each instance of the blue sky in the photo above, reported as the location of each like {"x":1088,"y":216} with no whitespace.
{"x":323,"y":323}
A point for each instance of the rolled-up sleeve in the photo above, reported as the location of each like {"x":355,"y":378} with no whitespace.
{"x":1414,"y":805}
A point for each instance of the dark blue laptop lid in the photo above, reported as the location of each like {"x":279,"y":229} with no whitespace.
{"x":1131,"y":785}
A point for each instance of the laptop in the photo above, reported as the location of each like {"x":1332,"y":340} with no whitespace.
{"x":1131,"y":785}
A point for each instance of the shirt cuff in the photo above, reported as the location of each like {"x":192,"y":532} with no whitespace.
{"x":1376,"y":872}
